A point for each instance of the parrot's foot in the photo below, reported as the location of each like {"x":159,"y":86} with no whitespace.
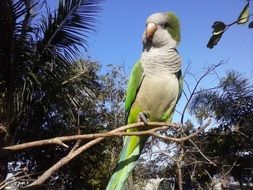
{"x":143,"y":117}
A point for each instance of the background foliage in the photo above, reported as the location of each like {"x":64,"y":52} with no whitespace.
{"x":47,"y":91}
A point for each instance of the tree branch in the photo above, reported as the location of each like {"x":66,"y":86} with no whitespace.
{"x":98,"y":137}
{"x":202,"y":154}
{"x":209,"y":70}
{"x":185,"y":138}
{"x":115,"y":132}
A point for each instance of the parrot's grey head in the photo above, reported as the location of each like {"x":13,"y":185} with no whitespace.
{"x":161,"y":29}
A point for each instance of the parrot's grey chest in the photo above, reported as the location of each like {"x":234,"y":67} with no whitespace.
{"x":157,"y":94}
{"x":160,"y":61}
{"x":159,"y":89}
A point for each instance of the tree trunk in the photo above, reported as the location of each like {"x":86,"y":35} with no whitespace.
{"x":3,"y":158}
{"x":179,"y":174}
{"x":3,"y":167}
{"x":179,"y":167}
{"x":7,"y":114}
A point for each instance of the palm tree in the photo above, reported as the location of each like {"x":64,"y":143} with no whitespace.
{"x":37,"y":55}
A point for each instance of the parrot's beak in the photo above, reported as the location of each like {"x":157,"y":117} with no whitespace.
{"x":150,"y":30}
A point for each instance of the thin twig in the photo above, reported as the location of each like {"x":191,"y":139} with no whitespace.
{"x":208,"y":89}
{"x":223,"y":176}
{"x":3,"y":183}
{"x":78,"y":142}
{"x":185,"y":138}
{"x":235,"y":22}
{"x":202,"y":154}
{"x":17,"y":177}
{"x":197,"y":84}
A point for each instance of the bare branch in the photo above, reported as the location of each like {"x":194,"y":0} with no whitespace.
{"x":78,"y":142}
{"x":58,"y":140}
{"x":2,"y":128}
{"x":78,"y":151}
{"x":185,"y":138}
{"x":230,"y":169}
{"x":116,"y":132}
{"x":184,"y":93}
{"x":98,"y":137}
{"x":209,"y":70}
{"x":63,"y":162}
{"x":202,"y":154}
{"x":9,"y":180}
{"x":208,"y":89}
{"x":19,"y":176}
{"x":214,"y":182}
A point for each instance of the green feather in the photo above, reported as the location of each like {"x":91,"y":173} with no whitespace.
{"x":133,"y":87}
{"x":133,"y":145}
{"x":174,"y":27}
{"x":128,"y":158}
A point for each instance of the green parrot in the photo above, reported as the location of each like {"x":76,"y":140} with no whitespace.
{"x":154,"y":88}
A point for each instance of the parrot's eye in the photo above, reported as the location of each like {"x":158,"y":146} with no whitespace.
{"x":165,"y":25}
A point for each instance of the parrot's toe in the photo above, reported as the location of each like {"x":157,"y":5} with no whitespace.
{"x":143,"y":117}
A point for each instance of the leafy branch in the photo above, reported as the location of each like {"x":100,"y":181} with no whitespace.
{"x":219,"y":27}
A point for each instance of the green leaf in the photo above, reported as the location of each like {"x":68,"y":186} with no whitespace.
{"x":214,"y":40}
{"x":244,"y":16}
{"x":251,"y":24}
{"x":218,"y":27}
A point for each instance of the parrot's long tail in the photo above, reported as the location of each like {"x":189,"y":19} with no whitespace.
{"x":129,"y":155}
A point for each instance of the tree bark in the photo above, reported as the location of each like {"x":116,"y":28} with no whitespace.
{"x":179,"y":168}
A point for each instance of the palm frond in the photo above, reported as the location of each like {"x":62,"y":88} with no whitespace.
{"x":37,"y":54}
{"x":65,"y":30}
{"x":68,"y":88}
{"x":7,"y":21}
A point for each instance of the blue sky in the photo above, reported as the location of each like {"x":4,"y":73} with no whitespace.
{"x":121,"y":24}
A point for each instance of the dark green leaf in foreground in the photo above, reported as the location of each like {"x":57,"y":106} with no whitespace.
{"x":218,"y":27}
{"x":214,"y":40}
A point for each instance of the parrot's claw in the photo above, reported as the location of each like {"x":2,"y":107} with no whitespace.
{"x":143,"y":117}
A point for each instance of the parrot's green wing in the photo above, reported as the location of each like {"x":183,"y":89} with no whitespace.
{"x":134,"y":83}
{"x":132,"y":145}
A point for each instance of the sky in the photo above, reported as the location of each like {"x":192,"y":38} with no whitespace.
{"x":121,"y":24}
